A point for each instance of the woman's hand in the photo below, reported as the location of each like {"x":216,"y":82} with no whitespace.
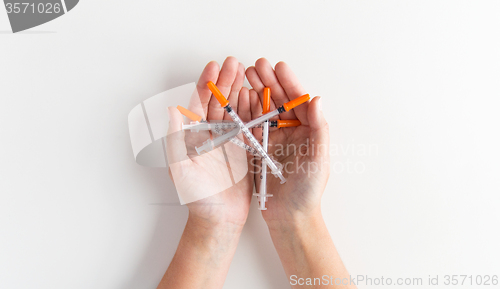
{"x":216,"y":173}
{"x":293,"y":214}
{"x":214,"y":224}
{"x":302,"y":150}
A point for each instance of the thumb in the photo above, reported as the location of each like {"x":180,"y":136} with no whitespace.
{"x":176,"y":146}
{"x":320,"y":136}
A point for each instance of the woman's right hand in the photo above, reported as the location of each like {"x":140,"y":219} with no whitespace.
{"x":303,"y":151}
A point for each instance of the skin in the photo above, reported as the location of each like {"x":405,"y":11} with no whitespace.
{"x":294,"y":218}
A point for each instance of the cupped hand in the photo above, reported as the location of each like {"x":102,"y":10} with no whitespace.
{"x":198,"y":175}
{"x":303,"y":151}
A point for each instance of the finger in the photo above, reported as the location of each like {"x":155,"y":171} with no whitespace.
{"x":235,"y":90}
{"x":200,"y":99}
{"x":226,"y":79}
{"x":257,"y":85}
{"x":319,"y":127}
{"x":244,"y":105}
{"x":254,"y":80}
{"x":176,"y":146}
{"x":293,"y":89}
{"x":269,"y":79}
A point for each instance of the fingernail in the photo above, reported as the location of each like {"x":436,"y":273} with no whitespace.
{"x":319,"y":104}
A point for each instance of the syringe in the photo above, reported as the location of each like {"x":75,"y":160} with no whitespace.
{"x":262,"y":195}
{"x":198,"y":123}
{"x":220,"y":126}
{"x":210,"y":144}
{"x":246,"y":132}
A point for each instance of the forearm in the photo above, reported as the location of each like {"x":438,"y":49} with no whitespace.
{"x":306,"y":250}
{"x":203,"y":256}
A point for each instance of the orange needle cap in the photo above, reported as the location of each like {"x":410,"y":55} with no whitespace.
{"x":216,"y":92}
{"x":296,"y":102}
{"x":189,"y":114}
{"x":266,"y":103}
{"x":288,"y":123}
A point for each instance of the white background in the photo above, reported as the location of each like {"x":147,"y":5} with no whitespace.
{"x":419,"y":80}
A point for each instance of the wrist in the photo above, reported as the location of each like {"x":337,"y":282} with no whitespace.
{"x":219,"y":229}
{"x":205,"y":251}
{"x":302,"y":243}
{"x":296,"y":223}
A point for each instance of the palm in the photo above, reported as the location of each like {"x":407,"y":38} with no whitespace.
{"x":296,"y":192}
{"x":221,"y":174}
{"x":305,"y":166}
{"x":209,"y":171}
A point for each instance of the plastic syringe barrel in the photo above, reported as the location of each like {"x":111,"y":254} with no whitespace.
{"x":223,"y":138}
{"x":197,"y":126}
{"x":266,"y":106}
{"x":210,"y":144}
{"x":225,"y":103}
{"x":265,"y":157}
{"x":215,"y":124}
{"x":262,"y":118}
{"x":263,"y":195}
